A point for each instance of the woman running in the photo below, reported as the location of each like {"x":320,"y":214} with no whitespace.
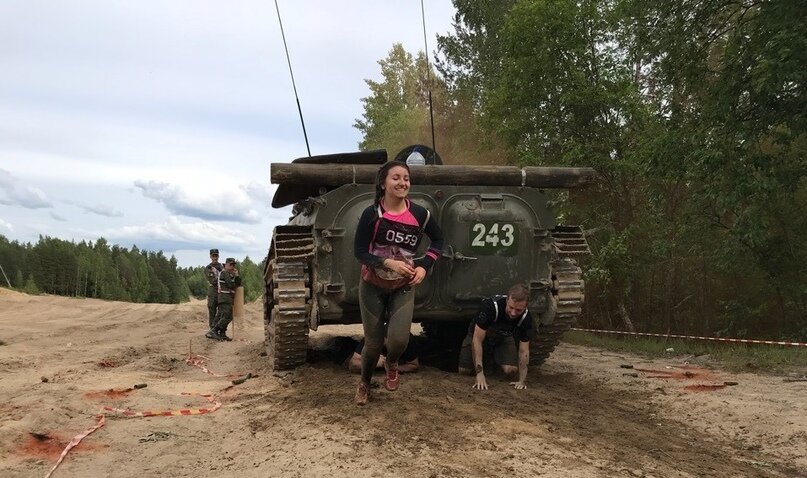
{"x":387,"y":238}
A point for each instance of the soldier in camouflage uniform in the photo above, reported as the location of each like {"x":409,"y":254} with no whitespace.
{"x":212,"y":272}
{"x":229,"y":280}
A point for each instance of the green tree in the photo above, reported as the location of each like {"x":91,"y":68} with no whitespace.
{"x":30,"y":286}
{"x":732,"y":76}
{"x":396,"y":113}
{"x":197,"y":281}
{"x":18,"y":281}
{"x":252,"y":279}
{"x":550,"y":82}
{"x":90,"y":269}
{"x":141,"y":286}
{"x":473,"y":53}
{"x":13,"y":257}
{"x":692,"y":114}
{"x":54,"y":265}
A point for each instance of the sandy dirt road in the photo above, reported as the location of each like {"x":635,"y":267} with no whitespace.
{"x":580,"y":417}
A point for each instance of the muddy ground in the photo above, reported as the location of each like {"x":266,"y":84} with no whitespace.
{"x":582,"y":415}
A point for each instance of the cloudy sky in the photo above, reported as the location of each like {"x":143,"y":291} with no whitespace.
{"x":153,"y":123}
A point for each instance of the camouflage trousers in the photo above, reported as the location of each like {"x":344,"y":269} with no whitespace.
{"x":224,"y":315}
{"x":212,"y":308}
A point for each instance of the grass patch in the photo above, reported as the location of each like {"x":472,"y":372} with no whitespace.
{"x":732,"y":356}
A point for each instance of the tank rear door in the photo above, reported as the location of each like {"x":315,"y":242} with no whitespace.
{"x":489,"y":246}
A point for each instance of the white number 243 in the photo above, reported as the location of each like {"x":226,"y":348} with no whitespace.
{"x":491,"y":236}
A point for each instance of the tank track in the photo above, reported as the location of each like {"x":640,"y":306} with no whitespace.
{"x":567,"y":287}
{"x":287,"y":301}
{"x":570,"y":241}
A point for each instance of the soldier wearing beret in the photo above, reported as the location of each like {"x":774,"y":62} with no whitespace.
{"x":229,"y":280}
{"x":212,"y":272}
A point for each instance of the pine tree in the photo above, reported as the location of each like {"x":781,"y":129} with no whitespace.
{"x":30,"y":286}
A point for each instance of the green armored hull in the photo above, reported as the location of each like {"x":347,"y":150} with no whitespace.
{"x":496,"y":232}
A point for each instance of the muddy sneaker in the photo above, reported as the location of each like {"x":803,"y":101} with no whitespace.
{"x":211,"y":334}
{"x":362,"y":394}
{"x":392,"y":379}
{"x":222,"y":335}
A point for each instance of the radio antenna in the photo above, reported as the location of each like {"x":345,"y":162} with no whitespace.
{"x":428,"y":72}
{"x":294,"y":86}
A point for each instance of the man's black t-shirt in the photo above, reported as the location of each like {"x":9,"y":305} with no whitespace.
{"x":492,"y":317}
{"x":408,"y":355}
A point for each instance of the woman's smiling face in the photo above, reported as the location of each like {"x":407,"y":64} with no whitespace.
{"x":396,"y":185}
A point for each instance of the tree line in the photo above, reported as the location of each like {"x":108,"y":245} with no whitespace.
{"x":100,"y":270}
{"x":692,"y":113}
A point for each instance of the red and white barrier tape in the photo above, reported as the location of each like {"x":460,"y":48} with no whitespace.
{"x":170,"y":413}
{"x":194,"y":360}
{"x":199,"y":361}
{"x":673,"y":336}
{"x":128,"y":413}
{"x":75,"y":441}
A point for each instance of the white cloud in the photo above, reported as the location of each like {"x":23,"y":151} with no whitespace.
{"x":261,"y":193}
{"x":97,"y":95}
{"x":16,"y":194}
{"x":174,"y":234}
{"x":101,"y":210}
{"x":219,"y":202}
{"x":6,"y":225}
{"x":121,"y":150}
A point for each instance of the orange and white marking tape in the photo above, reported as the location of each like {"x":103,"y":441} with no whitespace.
{"x":694,"y":337}
{"x":128,"y":413}
{"x":199,"y":361}
{"x":75,"y":441}
{"x":169,"y":413}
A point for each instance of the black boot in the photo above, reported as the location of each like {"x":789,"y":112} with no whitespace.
{"x":222,"y":335}
{"x":213,"y":334}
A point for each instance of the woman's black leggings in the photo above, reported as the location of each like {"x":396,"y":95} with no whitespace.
{"x":393,"y":306}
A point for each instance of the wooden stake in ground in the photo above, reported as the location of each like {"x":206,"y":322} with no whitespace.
{"x":238,"y":306}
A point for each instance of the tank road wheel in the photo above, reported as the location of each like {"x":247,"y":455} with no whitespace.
{"x":568,"y":288}
{"x":287,"y":301}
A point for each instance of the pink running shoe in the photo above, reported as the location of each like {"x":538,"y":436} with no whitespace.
{"x":362,"y":394}
{"x":393,"y":379}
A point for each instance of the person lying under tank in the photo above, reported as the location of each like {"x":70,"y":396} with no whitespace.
{"x":408,"y":363}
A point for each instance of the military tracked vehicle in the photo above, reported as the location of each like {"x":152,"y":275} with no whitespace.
{"x":498,"y":225}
